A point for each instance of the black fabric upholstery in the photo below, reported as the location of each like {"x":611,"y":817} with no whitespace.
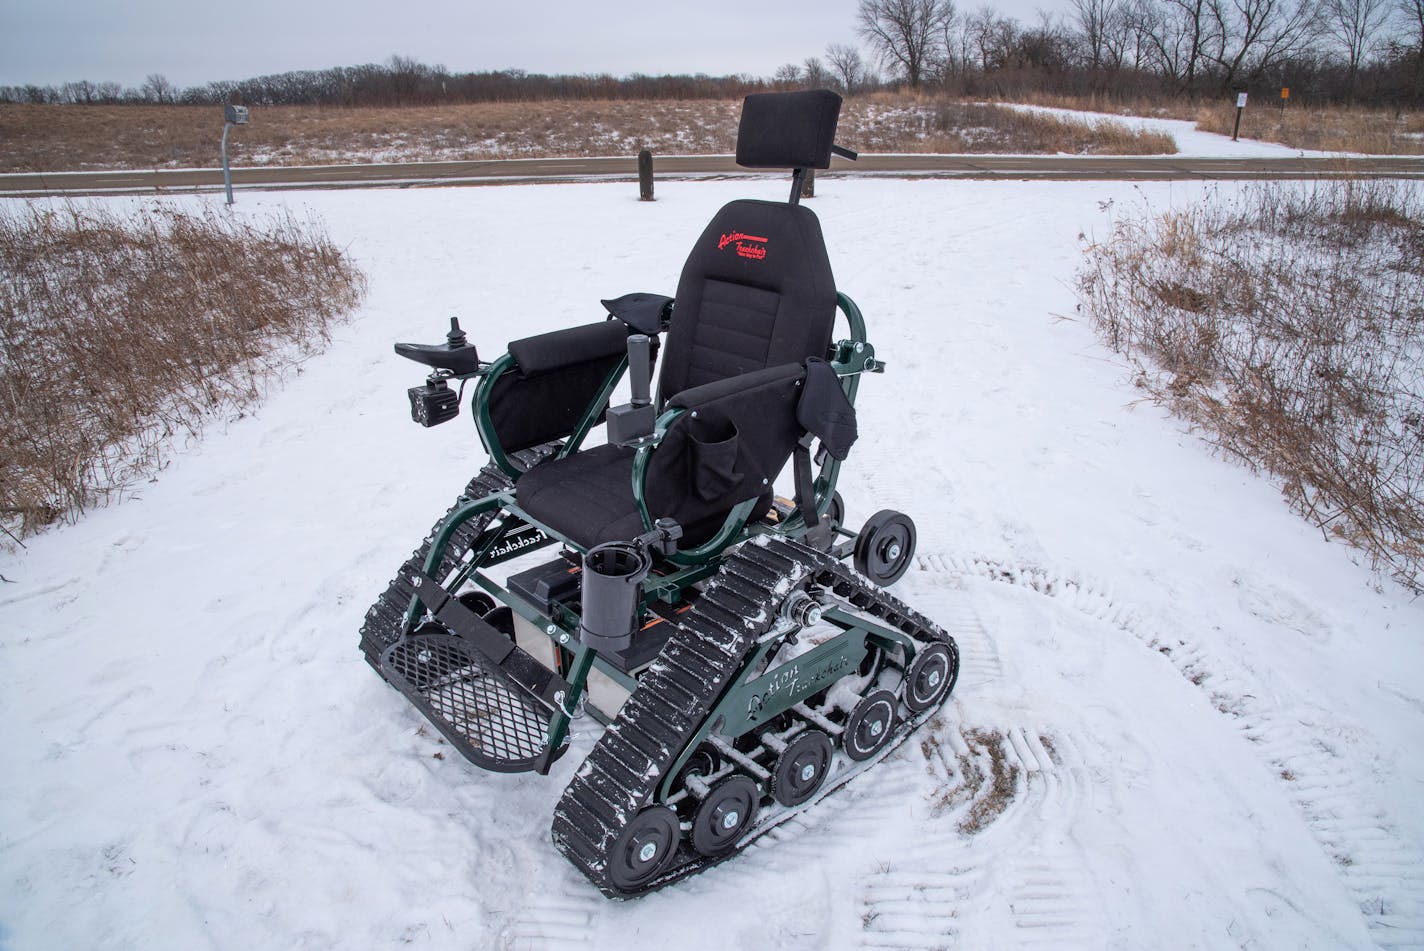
{"x":556,"y":376}
{"x":645,"y":313}
{"x":788,"y":129}
{"x":587,"y":497}
{"x":756,"y":291}
{"x":731,"y":450}
{"x":825,"y":411}
{"x":755,"y":300}
{"x":561,"y":348}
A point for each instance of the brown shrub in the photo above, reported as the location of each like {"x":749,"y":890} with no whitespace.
{"x":120,"y":332}
{"x":1288,"y":325}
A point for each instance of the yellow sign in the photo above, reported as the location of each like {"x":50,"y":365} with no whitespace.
{"x":1285,"y":92}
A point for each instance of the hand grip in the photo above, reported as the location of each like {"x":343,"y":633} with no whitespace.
{"x":640,"y":373}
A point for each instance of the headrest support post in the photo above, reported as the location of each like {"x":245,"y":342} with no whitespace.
{"x":798,"y":181}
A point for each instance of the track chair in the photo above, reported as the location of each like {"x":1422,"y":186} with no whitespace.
{"x":650,"y":522}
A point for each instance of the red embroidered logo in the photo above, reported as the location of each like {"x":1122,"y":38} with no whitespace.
{"x":745,"y":249}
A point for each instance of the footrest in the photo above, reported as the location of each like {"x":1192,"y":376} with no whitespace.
{"x":485,"y":714}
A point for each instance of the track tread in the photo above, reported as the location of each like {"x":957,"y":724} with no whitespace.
{"x":703,"y":655}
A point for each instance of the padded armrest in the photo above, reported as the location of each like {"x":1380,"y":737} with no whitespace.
{"x":564,"y":348}
{"x":693,"y":397}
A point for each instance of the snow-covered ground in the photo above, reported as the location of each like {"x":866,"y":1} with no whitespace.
{"x":1208,"y":716}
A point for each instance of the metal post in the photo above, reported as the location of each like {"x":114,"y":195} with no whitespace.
{"x":645,"y":175}
{"x":1240,"y":107}
{"x":227,"y":172}
{"x":808,"y":184}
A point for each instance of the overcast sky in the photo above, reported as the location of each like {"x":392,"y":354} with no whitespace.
{"x":197,"y":41}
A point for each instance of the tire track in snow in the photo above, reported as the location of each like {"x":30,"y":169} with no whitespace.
{"x":1383,"y":873}
{"x":992,"y":790}
{"x":560,"y":914}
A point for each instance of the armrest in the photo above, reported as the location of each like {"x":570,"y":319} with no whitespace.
{"x":646,"y":313}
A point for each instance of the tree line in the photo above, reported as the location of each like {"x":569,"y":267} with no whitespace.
{"x":1323,"y":50}
{"x":400,"y":81}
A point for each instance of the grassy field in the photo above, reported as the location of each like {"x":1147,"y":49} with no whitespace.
{"x":53,"y":138}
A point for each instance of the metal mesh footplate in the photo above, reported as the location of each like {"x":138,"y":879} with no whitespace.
{"x":488,"y":717}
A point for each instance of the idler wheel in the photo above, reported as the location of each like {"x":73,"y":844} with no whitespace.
{"x":930,"y":678}
{"x":885,"y":547}
{"x":870,"y":725}
{"x":644,"y":848}
{"x":724,"y":815}
{"x":801,"y":768}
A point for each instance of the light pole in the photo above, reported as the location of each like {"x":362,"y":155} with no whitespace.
{"x":233,"y":114}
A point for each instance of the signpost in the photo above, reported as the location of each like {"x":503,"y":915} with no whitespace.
{"x":1285,"y":94}
{"x":233,"y":114}
{"x":1240,"y":105}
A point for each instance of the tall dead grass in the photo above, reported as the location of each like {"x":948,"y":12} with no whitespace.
{"x":1288,"y":325}
{"x":120,"y":333}
{"x":1322,"y":128}
{"x":1325,"y":128}
{"x":72,"y":137}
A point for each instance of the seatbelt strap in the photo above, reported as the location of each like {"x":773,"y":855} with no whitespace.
{"x":805,"y":487}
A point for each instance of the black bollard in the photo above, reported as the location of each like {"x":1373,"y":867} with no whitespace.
{"x":645,"y":175}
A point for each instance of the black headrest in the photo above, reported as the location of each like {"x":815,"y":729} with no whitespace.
{"x":788,"y":129}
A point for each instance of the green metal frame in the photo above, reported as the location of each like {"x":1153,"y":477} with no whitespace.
{"x":776,"y":690}
{"x":770,"y":691}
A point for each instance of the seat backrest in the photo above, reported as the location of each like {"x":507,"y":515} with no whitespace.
{"x":756,"y":292}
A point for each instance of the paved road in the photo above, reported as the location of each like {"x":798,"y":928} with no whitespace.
{"x":406,"y":174}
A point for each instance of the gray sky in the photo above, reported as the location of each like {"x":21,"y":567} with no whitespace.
{"x":193,"y":41}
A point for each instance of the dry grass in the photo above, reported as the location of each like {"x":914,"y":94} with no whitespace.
{"x":1319,"y":128}
{"x":1288,"y":325}
{"x":120,"y":333}
{"x":53,"y":138}
{"x":1324,"y":128}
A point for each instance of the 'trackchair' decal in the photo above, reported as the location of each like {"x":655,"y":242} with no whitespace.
{"x":745,"y":246}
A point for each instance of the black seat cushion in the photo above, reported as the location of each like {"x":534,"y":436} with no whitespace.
{"x":587,"y":497}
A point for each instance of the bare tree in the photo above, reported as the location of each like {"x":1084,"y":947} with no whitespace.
{"x":1177,"y":33}
{"x":1250,"y":36}
{"x":848,"y":66}
{"x":1093,"y":25}
{"x":991,"y":37}
{"x":1353,"y":24}
{"x":815,"y":75}
{"x":787,"y":75}
{"x":157,"y":88}
{"x":905,"y":34}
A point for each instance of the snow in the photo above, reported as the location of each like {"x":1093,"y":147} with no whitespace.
{"x":1204,"y":718}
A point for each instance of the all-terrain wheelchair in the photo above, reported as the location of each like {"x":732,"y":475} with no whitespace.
{"x":742,"y":668}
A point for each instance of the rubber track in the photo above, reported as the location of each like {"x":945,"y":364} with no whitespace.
{"x":675,"y":695}
{"x":385,"y":620}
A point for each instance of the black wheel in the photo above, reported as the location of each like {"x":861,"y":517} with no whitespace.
{"x":703,"y":762}
{"x":801,"y":768}
{"x":885,"y":546}
{"x":477,"y":601}
{"x":870,"y":725}
{"x":724,"y":815}
{"x":644,"y":848}
{"x":930,"y":677}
